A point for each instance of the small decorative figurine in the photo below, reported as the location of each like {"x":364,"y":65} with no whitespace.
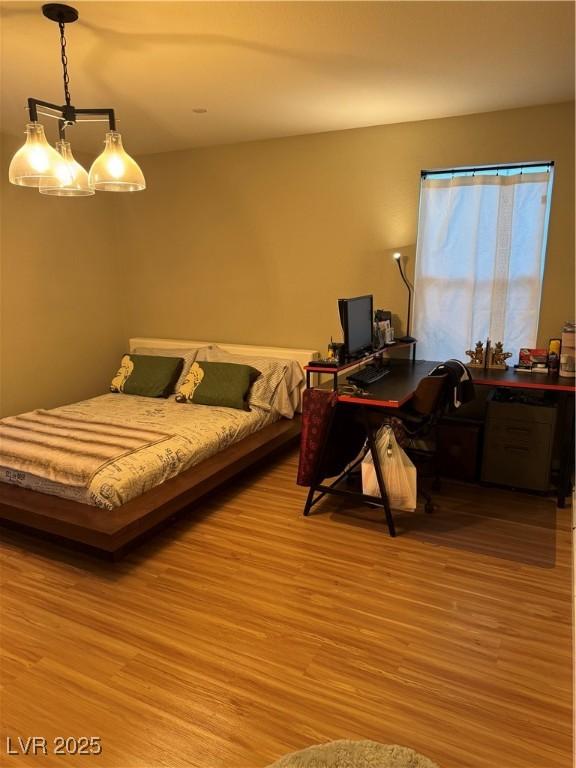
{"x":498,"y":357}
{"x":477,"y":358}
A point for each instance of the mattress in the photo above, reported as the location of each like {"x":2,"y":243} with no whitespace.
{"x":195,"y":432}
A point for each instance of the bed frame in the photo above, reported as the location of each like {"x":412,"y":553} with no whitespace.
{"x":110,"y":533}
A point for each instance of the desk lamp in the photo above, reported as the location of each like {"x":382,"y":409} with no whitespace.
{"x":406,"y":339}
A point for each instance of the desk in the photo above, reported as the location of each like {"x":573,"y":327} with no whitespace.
{"x":511,"y":378}
{"x":388,"y":393}
{"x":395,"y":389}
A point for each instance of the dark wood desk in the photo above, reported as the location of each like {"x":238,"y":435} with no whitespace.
{"x":511,"y":378}
{"x":390,"y":392}
{"x":396,"y":388}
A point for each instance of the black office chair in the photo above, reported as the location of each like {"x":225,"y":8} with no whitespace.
{"x":414,"y":426}
{"x":446,"y":387}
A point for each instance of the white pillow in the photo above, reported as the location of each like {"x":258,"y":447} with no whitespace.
{"x":188,"y":354}
{"x":277,"y":388}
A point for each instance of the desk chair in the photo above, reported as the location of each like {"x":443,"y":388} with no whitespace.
{"x":416,"y":421}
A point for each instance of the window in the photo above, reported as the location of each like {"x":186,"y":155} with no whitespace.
{"x":480,"y":258}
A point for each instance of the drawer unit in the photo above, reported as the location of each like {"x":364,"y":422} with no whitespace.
{"x":518,"y":441}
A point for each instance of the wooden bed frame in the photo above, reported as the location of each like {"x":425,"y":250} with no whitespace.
{"x":111,"y":532}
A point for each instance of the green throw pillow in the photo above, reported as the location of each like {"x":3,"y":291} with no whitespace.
{"x":224,"y":384}
{"x":147,"y":375}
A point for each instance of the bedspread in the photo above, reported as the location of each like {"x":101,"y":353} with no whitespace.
{"x":194,"y":433}
{"x":67,"y":449}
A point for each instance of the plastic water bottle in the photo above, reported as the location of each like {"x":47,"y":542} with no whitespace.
{"x":568,"y":351}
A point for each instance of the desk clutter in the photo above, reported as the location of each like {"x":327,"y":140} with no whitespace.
{"x":568,"y":351}
{"x":539,"y":360}
{"x":488,"y":357}
{"x":558,"y":358}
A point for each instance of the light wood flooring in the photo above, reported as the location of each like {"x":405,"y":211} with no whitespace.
{"x":245,"y":631}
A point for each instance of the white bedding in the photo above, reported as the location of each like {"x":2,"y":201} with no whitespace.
{"x":197,"y":432}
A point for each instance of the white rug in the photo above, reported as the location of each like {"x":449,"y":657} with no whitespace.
{"x":354,"y":754}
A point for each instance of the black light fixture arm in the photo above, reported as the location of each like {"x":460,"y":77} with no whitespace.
{"x":108,"y":112}
{"x":68,"y":112}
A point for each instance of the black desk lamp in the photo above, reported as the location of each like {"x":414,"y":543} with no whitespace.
{"x":406,"y":339}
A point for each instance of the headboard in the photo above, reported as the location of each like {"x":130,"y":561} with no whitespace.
{"x":302,"y":356}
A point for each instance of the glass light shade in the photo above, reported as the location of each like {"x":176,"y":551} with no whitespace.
{"x":71,"y":179}
{"x":35,"y":161}
{"x":114,"y":170}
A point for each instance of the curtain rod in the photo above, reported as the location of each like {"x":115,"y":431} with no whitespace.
{"x":473,"y":168}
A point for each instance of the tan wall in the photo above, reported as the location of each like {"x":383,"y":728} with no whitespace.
{"x":255,"y":242}
{"x":61,"y":300}
{"x":250,"y":243}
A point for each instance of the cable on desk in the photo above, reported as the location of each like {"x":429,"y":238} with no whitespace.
{"x":352,"y":389}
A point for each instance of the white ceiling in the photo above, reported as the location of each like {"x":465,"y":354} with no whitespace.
{"x":270,"y":69}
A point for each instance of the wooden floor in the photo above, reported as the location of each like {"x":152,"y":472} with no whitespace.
{"x":245,"y":631}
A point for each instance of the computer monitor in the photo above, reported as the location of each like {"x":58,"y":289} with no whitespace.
{"x":356,"y":319}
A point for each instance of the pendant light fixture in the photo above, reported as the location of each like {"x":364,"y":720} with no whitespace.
{"x":55,"y":171}
{"x":114,"y":170}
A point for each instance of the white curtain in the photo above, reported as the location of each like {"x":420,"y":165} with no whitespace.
{"x":479,"y":262}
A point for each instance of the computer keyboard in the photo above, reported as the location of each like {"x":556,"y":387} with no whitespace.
{"x":368,"y":375}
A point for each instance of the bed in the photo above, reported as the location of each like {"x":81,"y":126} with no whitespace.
{"x":172,"y":454}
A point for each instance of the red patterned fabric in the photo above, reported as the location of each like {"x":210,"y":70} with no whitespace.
{"x":317,"y":411}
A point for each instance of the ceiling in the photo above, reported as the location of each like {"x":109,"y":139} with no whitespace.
{"x":271,"y":69}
